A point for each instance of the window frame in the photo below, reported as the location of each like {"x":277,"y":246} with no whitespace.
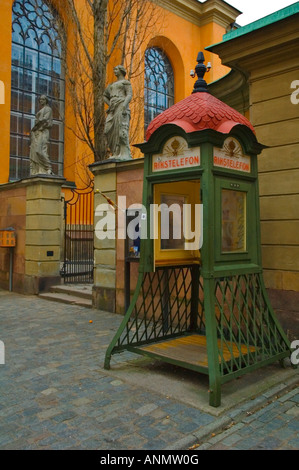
{"x":159,"y":84}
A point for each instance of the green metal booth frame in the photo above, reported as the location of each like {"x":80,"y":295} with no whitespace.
{"x":208,"y":312}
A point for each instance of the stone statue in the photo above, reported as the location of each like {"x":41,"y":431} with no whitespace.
{"x":39,"y":158}
{"x":118,"y":96}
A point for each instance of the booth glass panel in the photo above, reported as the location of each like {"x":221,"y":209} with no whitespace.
{"x":233,"y":221}
{"x":172,"y":233}
{"x":176,"y":229}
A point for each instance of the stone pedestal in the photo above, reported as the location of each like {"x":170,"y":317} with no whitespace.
{"x":43,"y":232}
{"x":103,"y":295}
{"x":113,"y":178}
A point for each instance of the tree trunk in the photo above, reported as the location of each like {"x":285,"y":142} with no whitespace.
{"x":99,"y":77}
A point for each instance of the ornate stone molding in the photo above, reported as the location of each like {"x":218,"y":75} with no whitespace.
{"x":233,"y":89}
{"x":201,"y":14}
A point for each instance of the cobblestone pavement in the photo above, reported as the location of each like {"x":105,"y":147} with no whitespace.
{"x":273,"y":427}
{"x":55,"y":394}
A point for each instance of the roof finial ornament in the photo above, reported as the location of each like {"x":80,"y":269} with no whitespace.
{"x":200,"y":70}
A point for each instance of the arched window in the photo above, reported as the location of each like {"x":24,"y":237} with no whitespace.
{"x":36,"y":70}
{"x":159,"y":84}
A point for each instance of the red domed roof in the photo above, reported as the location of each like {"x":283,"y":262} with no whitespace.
{"x":197,"y":112}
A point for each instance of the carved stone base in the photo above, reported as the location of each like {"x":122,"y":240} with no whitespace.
{"x":103,"y":298}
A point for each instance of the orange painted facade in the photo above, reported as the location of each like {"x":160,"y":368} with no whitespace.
{"x":182,"y":29}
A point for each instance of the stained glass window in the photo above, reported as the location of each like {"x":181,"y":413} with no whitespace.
{"x":36,"y":71}
{"x":159,"y":84}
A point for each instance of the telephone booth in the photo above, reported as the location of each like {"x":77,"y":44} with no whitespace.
{"x":200,"y":301}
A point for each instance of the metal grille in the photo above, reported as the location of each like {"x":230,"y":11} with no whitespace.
{"x":164,"y":308}
{"x":246,"y":326}
{"x":170,"y":303}
{"x":78,"y":237}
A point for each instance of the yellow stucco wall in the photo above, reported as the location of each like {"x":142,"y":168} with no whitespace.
{"x":5,"y":77}
{"x":180,"y":39}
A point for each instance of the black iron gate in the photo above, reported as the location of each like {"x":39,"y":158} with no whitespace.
{"x":78,"y":237}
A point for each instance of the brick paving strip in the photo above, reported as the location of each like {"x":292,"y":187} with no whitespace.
{"x":55,"y":394}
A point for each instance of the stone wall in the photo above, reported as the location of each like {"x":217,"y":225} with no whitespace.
{"x":33,"y":207}
{"x":265,"y":53}
{"x":276,"y":121}
{"x":129,"y":184}
{"x":113,"y":179}
{"x":13,"y":214}
{"x":43,"y":233}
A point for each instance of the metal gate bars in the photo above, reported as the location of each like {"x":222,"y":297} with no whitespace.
{"x":78,"y":237}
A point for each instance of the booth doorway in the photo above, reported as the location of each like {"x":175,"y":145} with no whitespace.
{"x":176,"y":222}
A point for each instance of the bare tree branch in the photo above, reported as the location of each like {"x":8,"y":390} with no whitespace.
{"x":98,"y":32}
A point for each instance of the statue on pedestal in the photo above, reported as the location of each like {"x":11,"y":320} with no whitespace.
{"x":118,"y":96}
{"x":40,"y":133}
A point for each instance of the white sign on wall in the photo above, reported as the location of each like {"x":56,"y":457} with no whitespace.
{"x":176,"y":155}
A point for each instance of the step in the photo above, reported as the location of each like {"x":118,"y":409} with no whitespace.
{"x":79,"y":290}
{"x":66,"y":298}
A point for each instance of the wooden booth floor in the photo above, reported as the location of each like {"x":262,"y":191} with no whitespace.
{"x":192,"y":349}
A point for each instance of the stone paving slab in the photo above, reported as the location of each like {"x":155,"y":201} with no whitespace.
{"x":55,"y":394}
{"x":273,"y":427}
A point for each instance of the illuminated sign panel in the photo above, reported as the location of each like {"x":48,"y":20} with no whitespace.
{"x":231,"y":157}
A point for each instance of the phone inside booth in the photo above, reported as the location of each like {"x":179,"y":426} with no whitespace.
{"x":177,"y":223}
